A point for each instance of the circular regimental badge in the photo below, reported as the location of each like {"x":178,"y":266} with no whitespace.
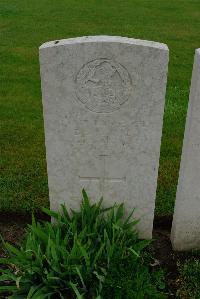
{"x":103,"y":85}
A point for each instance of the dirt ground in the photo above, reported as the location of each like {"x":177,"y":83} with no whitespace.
{"x":12,"y":227}
{"x":164,"y":254}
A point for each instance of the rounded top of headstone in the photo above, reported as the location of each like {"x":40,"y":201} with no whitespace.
{"x":104,"y":38}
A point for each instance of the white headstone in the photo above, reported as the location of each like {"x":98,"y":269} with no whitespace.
{"x":103,"y":101}
{"x":186,"y":222}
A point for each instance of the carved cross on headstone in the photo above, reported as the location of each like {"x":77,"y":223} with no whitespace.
{"x":102,"y":178}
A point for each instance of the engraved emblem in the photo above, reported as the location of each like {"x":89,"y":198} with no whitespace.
{"x":103,"y":85}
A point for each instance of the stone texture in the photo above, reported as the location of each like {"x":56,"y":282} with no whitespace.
{"x":186,"y":221}
{"x":103,"y":100}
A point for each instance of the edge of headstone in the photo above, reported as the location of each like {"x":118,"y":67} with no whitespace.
{"x":177,"y":245}
{"x":197,"y":53}
{"x":104,"y":38}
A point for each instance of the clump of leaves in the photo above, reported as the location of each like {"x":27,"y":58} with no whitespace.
{"x":76,"y":256}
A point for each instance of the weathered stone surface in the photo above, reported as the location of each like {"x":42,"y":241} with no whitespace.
{"x":186,"y":222}
{"x":103,"y":101}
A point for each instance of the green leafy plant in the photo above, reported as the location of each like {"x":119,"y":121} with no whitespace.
{"x":77,"y":256}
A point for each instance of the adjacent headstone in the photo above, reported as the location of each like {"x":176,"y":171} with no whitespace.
{"x":103,"y":101}
{"x":186,"y":222}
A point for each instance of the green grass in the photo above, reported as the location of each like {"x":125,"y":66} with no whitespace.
{"x":25,"y":25}
{"x":190,"y":278}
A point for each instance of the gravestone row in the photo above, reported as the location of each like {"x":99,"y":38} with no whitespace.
{"x":103,"y":103}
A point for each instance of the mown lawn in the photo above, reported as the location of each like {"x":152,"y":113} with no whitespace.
{"x":25,"y":25}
